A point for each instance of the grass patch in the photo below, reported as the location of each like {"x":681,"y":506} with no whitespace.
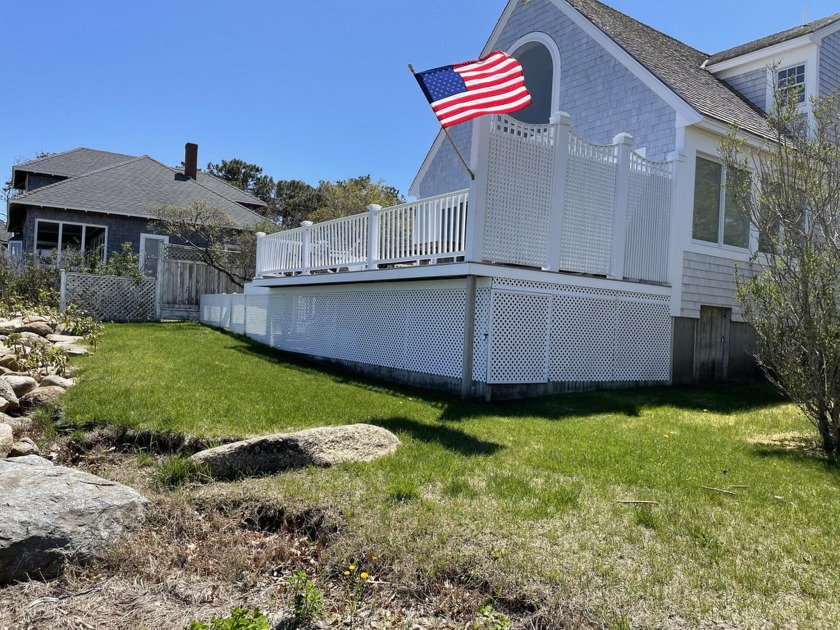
{"x":518,"y":501}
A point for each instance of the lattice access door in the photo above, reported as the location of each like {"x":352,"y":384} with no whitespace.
{"x":519,"y":337}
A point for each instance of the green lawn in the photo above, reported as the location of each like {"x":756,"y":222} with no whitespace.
{"x":519,"y":499}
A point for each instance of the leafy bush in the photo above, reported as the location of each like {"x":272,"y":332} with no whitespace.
{"x":239,"y":619}
{"x":307,"y":599}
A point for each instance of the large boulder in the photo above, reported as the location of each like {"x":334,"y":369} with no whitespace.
{"x":42,"y":396}
{"x":23,"y":447}
{"x":8,"y":393}
{"x":7,"y":439}
{"x":325,"y":446}
{"x":41,"y":328}
{"x":52,"y":514}
{"x":58,"y":381}
{"x":20,"y":383}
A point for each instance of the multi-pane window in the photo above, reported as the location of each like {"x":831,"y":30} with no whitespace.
{"x":716,"y":218}
{"x":791,"y":83}
{"x":65,"y":237}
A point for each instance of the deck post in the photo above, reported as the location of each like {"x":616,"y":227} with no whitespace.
{"x":373,"y":235}
{"x":562,"y":125}
{"x":258,"y":257}
{"x":469,"y":339}
{"x":477,"y":205}
{"x":623,"y":145}
{"x":305,"y":247}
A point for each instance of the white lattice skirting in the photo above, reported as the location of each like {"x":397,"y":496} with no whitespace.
{"x":525,"y":332}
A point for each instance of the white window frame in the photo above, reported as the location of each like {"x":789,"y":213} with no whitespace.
{"x":547,"y":41}
{"x":61,"y":225}
{"x":143,"y":238}
{"x":15,"y":247}
{"x":787,"y":87}
{"x":721,"y":212}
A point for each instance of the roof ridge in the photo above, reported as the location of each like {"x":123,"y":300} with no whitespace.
{"x":180,"y":170}
{"x":68,"y":152}
{"x":78,"y":177}
{"x":784,"y":35}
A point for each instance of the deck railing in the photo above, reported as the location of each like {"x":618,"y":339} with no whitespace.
{"x":425,"y":230}
{"x":543,"y":197}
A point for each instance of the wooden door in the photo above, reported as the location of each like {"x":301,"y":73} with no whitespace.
{"x":711,"y":348}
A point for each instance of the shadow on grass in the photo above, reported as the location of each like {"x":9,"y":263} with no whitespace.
{"x":451,"y":439}
{"x":721,"y":399}
{"x":800,"y":449}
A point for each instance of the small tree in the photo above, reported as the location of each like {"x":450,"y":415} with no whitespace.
{"x":214,"y":234}
{"x":792,"y":295}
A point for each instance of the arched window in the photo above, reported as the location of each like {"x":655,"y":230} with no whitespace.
{"x":538,"y":66}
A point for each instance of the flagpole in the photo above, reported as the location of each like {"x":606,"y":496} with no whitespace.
{"x":452,"y":142}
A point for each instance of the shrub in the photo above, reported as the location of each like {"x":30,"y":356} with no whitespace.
{"x":239,"y":619}
{"x":307,"y":599}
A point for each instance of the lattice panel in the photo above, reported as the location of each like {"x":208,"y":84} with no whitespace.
{"x":589,"y":208}
{"x":648,"y":220}
{"x":214,"y":310}
{"x":518,"y":338}
{"x":181,"y":252}
{"x":482,"y":334}
{"x":582,"y":338}
{"x":643,"y":341}
{"x":111,"y":298}
{"x":415,"y":330}
{"x":519,"y":186}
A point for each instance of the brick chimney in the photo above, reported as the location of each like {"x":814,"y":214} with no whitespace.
{"x":191,"y":160}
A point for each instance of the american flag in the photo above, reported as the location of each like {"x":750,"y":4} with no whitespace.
{"x":493,"y":84}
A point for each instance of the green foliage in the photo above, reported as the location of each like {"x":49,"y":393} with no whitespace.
{"x":307,"y":599}
{"x":239,"y":619}
{"x":491,"y":619}
{"x":178,"y":470}
{"x":790,"y":294}
{"x":124,"y":263}
{"x":352,"y":196}
{"x":295,"y":201}
{"x":27,"y":285}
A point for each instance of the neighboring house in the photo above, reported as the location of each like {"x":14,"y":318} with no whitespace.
{"x":599,"y":248}
{"x":5,"y":235}
{"x":95,"y":201}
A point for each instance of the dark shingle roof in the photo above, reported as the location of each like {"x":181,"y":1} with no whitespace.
{"x":676,"y":64}
{"x":771,"y":40}
{"x":225,"y":189}
{"x":73,"y":163}
{"x":133,"y":188}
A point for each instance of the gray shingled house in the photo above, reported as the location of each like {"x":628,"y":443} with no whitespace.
{"x":596,"y":245}
{"x":87,"y":199}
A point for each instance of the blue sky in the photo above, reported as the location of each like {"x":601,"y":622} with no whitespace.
{"x":308,"y":90}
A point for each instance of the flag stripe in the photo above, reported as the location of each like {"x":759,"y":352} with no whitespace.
{"x":492,"y":84}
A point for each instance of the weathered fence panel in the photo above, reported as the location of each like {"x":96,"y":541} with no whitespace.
{"x":174,"y":294}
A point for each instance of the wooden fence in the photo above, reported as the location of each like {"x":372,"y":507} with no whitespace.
{"x":174,"y":294}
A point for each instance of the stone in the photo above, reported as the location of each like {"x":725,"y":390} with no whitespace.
{"x":63,"y":338}
{"x":53,"y":514}
{"x":32,"y":340}
{"x":8,"y":326}
{"x":20,"y":384}
{"x":21,"y":425}
{"x":42,"y":329}
{"x":59,"y":381}
{"x":23,"y":447}
{"x":325,"y":446}
{"x":33,"y":460}
{"x":7,"y":392}
{"x":9,"y":361}
{"x":5,"y":405}
{"x":72,"y":350}
{"x":42,"y":396}
{"x":7,"y":439}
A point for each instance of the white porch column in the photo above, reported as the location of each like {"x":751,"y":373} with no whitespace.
{"x":562,"y":124}
{"x":305,"y":247}
{"x":259,"y":262}
{"x":373,"y":235}
{"x":477,"y":212}
{"x":624,"y":145}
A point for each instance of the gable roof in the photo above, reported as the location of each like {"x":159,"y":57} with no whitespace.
{"x":772,"y":40}
{"x":136,"y":188}
{"x":677,"y":65}
{"x":72,"y":163}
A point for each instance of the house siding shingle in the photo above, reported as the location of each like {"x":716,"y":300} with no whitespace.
{"x":752,"y":86}
{"x":602,"y":96}
{"x":830,"y":64}
{"x":446,"y":173}
{"x":709,"y":281}
{"x":120,"y":229}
